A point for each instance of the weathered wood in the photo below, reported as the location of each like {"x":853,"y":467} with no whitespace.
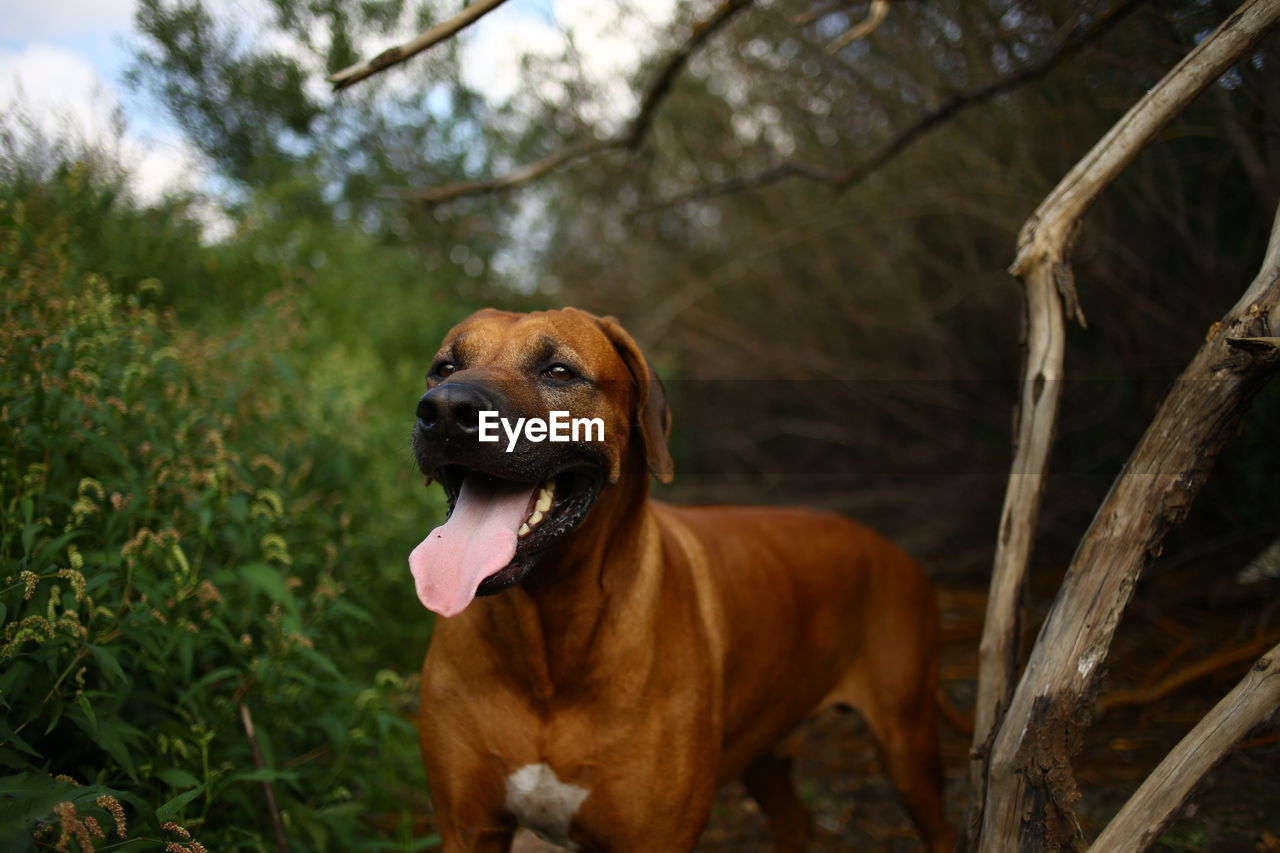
{"x":1158,"y":799}
{"x":1042,"y":263}
{"x":1030,"y":785}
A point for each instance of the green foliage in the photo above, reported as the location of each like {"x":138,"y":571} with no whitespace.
{"x":78,"y":203}
{"x":202,"y":582}
{"x":249,"y":93}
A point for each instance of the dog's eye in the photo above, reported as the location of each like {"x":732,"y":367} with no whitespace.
{"x":445,"y":368}
{"x":558,"y":371}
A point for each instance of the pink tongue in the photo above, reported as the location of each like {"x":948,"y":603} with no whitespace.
{"x":478,"y":539}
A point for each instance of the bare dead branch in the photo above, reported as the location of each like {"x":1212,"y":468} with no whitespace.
{"x":1028,"y":780}
{"x":674,"y":64}
{"x":842,"y":179}
{"x":395,"y":55}
{"x":630,"y":139}
{"x":1154,"y":804}
{"x":875,"y":17}
{"x":1043,"y":264}
{"x":524,"y":174}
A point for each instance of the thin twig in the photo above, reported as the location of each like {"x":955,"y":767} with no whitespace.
{"x":281,"y":842}
{"x":675,"y":63}
{"x":875,"y":17}
{"x":395,"y":55}
{"x":821,"y":12}
{"x":524,"y":174}
{"x":1184,"y":676}
{"x":630,"y":139}
{"x":843,"y":179}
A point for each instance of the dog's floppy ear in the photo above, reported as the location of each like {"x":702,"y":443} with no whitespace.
{"x":651,"y":414}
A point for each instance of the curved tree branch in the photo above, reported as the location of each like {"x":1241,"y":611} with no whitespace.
{"x":1156,"y":802}
{"x":630,"y":139}
{"x":821,"y":12}
{"x":395,"y":55}
{"x":875,"y":17}
{"x":522,"y":175}
{"x":842,"y":179}
{"x":675,"y":63}
{"x":1008,"y":721}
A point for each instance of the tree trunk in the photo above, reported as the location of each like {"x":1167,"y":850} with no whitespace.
{"x":1030,"y":785}
{"x":1044,"y":266}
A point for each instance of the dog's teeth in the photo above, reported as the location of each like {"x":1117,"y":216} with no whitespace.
{"x":535,"y":518}
{"x":524,"y":529}
{"x":544,"y":501}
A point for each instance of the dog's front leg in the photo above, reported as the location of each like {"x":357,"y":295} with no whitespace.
{"x":467,"y":802}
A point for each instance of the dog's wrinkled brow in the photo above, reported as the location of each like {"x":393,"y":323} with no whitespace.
{"x":547,"y":348}
{"x":453,"y":349}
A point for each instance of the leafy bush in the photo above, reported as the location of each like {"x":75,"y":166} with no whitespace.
{"x":200,"y":575}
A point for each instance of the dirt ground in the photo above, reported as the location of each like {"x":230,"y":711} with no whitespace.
{"x":1176,"y":627}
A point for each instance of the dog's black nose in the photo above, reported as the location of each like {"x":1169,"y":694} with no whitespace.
{"x":453,"y":409}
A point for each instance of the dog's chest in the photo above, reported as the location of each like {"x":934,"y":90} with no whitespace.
{"x":543,"y":803}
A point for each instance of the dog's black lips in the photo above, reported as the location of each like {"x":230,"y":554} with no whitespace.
{"x":576,"y":490}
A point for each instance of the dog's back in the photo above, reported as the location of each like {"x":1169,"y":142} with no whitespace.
{"x":818,"y":611}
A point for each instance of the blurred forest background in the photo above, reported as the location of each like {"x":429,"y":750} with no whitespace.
{"x":206,"y":487}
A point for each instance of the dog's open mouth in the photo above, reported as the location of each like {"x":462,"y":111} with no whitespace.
{"x":495,"y":532}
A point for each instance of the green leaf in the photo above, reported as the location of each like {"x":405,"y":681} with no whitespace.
{"x":170,"y":809}
{"x":267,"y":579}
{"x":112,"y":734}
{"x":107,"y":660}
{"x":264,"y":774}
{"x":213,"y":676}
{"x":12,"y":680}
{"x":29,"y":531}
{"x":87,"y":707}
{"x":186,"y":652}
{"x":175,"y":777}
{"x":52,"y":547}
{"x":9,"y":737}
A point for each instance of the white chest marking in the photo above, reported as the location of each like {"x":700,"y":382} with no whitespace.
{"x":543,"y":803}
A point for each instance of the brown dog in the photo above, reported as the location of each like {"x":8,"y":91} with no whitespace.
{"x":641,"y":654}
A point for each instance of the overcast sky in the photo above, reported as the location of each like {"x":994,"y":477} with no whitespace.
{"x":65,"y":59}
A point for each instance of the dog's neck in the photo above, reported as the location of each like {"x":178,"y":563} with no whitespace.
{"x":572,"y":612}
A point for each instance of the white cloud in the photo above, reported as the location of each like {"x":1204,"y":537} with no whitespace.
{"x":608,"y":43}
{"x":162,"y":166}
{"x":62,"y":94}
{"x":56,"y":86}
{"x":495,"y":49}
{"x":42,"y":20}
{"x":44,"y":74}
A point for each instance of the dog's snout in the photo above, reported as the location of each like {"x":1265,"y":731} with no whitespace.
{"x":453,"y":409}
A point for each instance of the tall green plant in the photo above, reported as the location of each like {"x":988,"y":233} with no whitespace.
{"x":195,"y":578}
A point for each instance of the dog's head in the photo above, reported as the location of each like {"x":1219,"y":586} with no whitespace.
{"x":526,"y":419}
